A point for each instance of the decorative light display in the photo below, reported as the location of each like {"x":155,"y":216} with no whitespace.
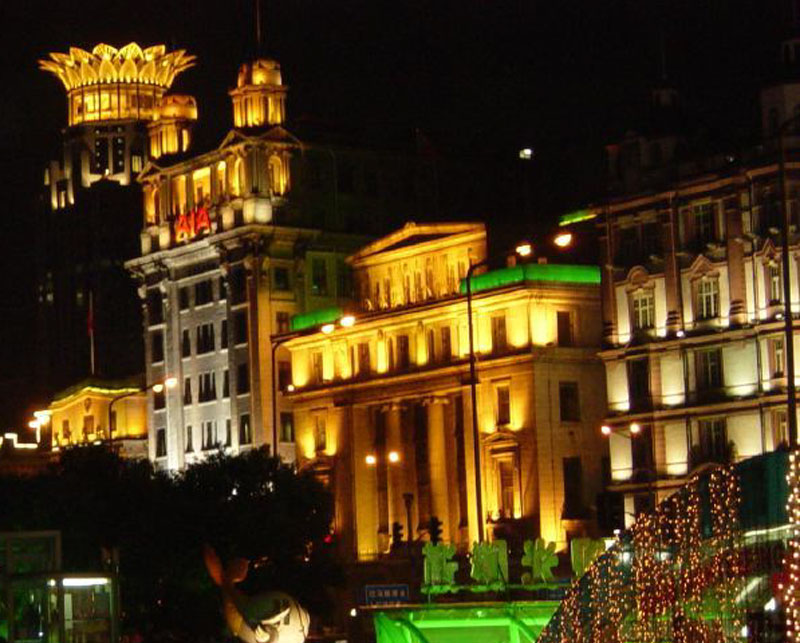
{"x":791,"y":587}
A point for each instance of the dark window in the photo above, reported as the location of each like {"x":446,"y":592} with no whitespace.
{"x":499,"y":341}
{"x":709,"y":369}
{"x":238,"y":282}
{"x":651,"y":239}
{"x":713,"y":441}
{"x":205,"y":338}
{"x":161,"y":443}
{"x":223,"y":334}
{"x":564,"y":328}
{"x":319,"y":277}
{"x":628,"y":245}
{"x":431,"y":341}
{"x":638,"y":383}
{"x":100,"y":156}
{"x":159,"y":399}
{"x":642,"y":452}
{"x":223,"y":288}
{"x":112,"y":422}
{"x":505,"y":474}
{"x":316,"y":367}
{"x":402,"y":352}
{"x":503,"y":405}
{"x":287,"y":427}
{"x":183,"y":297}
{"x":207,"y":387}
{"x":118,"y":154}
{"x":203,"y":293}
{"x":284,"y":374}
{"x":158,"y":346}
{"x":282,"y":322}
{"x":363,"y":358}
{"x":155,"y":311}
{"x":228,"y":436}
{"x":242,"y":379}
{"x":226,"y":384}
{"x":569,"y":402}
{"x":704,"y":222}
{"x":189,"y":437}
{"x":187,"y":390}
{"x":447,"y":348}
{"x":240,"y":327}
{"x":245,"y":434}
{"x":573,"y":488}
{"x":209,"y":429}
{"x":281,"y":277}
{"x":320,"y":433}
{"x":186,"y":343}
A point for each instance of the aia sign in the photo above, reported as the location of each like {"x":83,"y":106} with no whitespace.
{"x":192,"y":223}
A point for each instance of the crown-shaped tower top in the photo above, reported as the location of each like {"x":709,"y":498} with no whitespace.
{"x":260,"y":95}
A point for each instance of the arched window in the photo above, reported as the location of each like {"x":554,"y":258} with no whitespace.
{"x":237,"y":187}
{"x":276,"y":175}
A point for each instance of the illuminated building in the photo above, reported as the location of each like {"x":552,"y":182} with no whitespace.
{"x":117,"y":102}
{"x":693,"y":305}
{"x":230,"y":251}
{"x":381,"y":404}
{"x":80,"y":416}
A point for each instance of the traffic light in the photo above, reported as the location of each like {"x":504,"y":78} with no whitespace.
{"x":397,"y":534}
{"x":435,"y":530}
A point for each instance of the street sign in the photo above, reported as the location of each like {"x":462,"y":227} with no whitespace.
{"x":385,"y":594}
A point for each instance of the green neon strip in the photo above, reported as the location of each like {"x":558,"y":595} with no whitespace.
{"x":304,"y":321}
{"x":576,"y":217}
{"x":548,"y":272}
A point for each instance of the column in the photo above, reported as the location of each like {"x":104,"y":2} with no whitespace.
{"x":735,"y":251}
{"x":671,"y":272}
{"x":438,"y":455}
{"x":398,"y":471}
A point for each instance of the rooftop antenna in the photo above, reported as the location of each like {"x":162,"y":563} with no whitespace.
{"x":258,"y":26}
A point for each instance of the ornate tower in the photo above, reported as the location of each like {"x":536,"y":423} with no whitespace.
{"x":260,"y":96}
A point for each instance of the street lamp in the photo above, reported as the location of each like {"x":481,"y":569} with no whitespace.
{"x":157,"y":387}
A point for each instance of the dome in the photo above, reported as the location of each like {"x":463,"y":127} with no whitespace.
{"x":262,"y":71}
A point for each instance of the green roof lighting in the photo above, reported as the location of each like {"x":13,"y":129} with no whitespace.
{"x":314,"y":318}
{"x":576,"y":217}
{"x":547,"y":272}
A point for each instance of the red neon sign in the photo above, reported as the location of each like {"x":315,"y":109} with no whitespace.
{"x":192,"y":223}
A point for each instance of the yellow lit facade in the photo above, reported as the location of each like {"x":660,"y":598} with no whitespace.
{"x":260,"y":96}
{"x":382,"y":408}
{"x":80,"y":416}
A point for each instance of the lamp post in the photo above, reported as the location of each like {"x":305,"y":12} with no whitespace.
{"x":169,"y":382}
{"x":788,"y":319}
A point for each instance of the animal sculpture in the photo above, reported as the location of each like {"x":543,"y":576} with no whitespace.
{"x":269,"y":617}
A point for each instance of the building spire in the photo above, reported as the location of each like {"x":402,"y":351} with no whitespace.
{"x":258,"y":27}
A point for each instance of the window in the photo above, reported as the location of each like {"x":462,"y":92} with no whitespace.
{"x":226,"y":384}
{"x":282,"y":321}
{"x":112,"y":422}
{"x":713,"y":441}
{"x":280,"y":278}
{"x":644,"y":310}
{"x":187,"y":391}
{"x":316,"y":367}
{"x":287,"y":427}
{"x":242,"y":379}
{"x":203,"y":293}
{"x":564,"y":328}
{"x":704,"y":222}
{"x":136,"y":163}
{"x":709,"y":369}
{"x":775,"y":284}
{"x":205,"y":338}
{"x":65,"y":432}
{"x":431,"y":341}
{"x":207,"y":387}
{"x":223,"y":288}
{"x":189,"y":436}
{"x":503,"y":405}
{"x":118,"y":154}
{"x":777,"y":357}
{"x":707,"y":298}
{"x":319,"y":277}
{"x":402,"y":352}
{"x":210,"y":441}
{"x":573,"y":487}
{"x":159,"y":400}
{"x":186,"y":343}
{"x":779,"y":433}
{"x":569,"y":403}
{"x":505,"y":474}
{"x":638,"y":382}
{"x":284,"y":374}
{"x":155,"y":312}
{"x":100,"y":158}
{"x":238,"y":282}
{"x":161,"y":443}
{"x":499,"y":342}
{"x":183,"y":298}
{"x":240,"y":327}
{"x":228,"y":436}
{"x":447,"y":348}
{"x":88,"y":426}
{"x":363,"y":358}
{"x":157,"y":342}
{"x":223,"y":335}
{"x":245,"y":434}
{"x":320,"y":433}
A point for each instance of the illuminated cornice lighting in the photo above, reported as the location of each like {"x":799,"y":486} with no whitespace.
{"x":84,"y":582}
{"x":371,"y":460}
{"x":129,"y":65}
{"x":347,"y":321}
{"x":394,"y":456}
{"x":563,"y":240}
{"x":328,"y":328}
{"x":605,"y":429}
{"x":635,"y":428}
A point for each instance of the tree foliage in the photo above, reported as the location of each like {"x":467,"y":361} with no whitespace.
{"x":251,"y":506}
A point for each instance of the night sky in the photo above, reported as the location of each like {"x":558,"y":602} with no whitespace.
{"x":480,"y":79}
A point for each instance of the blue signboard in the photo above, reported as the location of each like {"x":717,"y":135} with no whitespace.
{"x":385,"y":594}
